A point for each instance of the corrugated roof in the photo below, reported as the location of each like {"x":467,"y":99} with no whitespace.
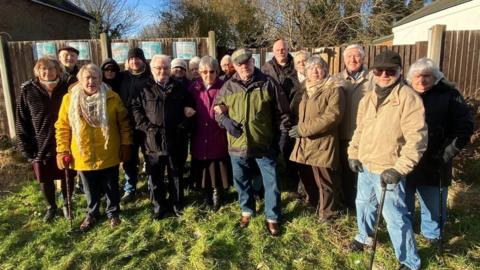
{"x":434,"y":7}
{"x":65,"y":6}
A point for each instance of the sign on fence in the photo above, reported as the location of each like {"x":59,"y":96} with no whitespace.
{"x":83,"y":47}
{"x":150,"y":48}
{"x":256,"y":57}
{"x":120,"y":51}
{"x":44,"y":48}
{"x":184,"y":49}
{"x":268,"y":56}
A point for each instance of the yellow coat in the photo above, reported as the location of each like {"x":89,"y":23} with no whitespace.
{"x":94,"y":156}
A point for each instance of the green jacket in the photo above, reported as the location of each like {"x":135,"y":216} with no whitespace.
{"x":263,"y":110}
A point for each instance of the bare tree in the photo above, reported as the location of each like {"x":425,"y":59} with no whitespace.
{"x":117,"y":18}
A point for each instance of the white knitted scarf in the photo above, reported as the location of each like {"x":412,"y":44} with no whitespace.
{"x":93,"y":110}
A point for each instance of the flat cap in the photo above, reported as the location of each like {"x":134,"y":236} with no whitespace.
{"x":240,"y":56}
{"x":387,"y":59}
{"x":68,"y":48}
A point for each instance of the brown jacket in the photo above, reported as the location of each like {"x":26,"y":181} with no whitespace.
{"x":319,"y":117}
{"x":395,"y":136}
{"x":354,"y":91}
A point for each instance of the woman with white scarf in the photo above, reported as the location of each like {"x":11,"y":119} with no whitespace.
{"x":94,"y":131}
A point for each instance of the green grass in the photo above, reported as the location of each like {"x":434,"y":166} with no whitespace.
{"x":203,"y":239}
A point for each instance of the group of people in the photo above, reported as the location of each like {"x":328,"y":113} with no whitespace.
{"x":339,"y":138}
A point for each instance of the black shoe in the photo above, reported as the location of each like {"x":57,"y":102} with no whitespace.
{"x":177,"y":210}
{"x":216,"y":199}
{"x":128,"y":197}
{"x":159,"y":215}
{"x":356,"y":246}
{"x":404,"y":267}
{"x":50,"y":214}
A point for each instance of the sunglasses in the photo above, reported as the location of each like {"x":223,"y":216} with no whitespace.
{"x":110,"y":69}
{"x":205,"y":72}
{"x":389,"y":72}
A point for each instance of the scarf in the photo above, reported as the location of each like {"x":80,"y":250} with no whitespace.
{"x":312,"y":87}
{"x":93,"y":110}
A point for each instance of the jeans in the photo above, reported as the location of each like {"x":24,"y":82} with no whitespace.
{"x":428,"y":197}
{"x":242,"y":179}
{"x":97,"y":182}
{"x":131,"y":170}
{"x":395,"y":213}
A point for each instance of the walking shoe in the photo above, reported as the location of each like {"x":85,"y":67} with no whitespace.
{"x":432,"y":241}
{"x":128,"y":197}
{"x":114,"y":222}
{"x":159,"y":215}
{"x":273,"y":228}
{"x":356,"y":246}
{"x":87,"y":224}
{"x":50,"y":214}
{"x":177,"y":210}
{"x":404,"y":267}
{"x":244,"y":221}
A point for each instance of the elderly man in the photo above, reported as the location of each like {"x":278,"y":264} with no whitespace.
{"x":162,"y":110}
{"x":227,"y":67}
{"x":68,"y":57}
{"x":357,"y":83}
{"x":253,"y":110}
{"x":281,"y":69}
{"x":133,"y":79}
{"x":389,"y":140}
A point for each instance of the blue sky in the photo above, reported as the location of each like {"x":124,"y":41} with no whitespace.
{"x":147,"y":9}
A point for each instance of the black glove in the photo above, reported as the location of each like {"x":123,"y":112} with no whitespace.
{"x":232,"y":127}
{"x":293,"y":132}
{"x":390,"y":176}
{"x":355,"y":165}
{"x":450,"y":152}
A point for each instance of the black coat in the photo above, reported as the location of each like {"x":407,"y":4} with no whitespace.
{"x":70,"y":77}
{"x":448,"y":117}
{"x":158,"y":113}
{"x":130,"y":85}
{"x":285,"y":76}
{"x":36,"y":114}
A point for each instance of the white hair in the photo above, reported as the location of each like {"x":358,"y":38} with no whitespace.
{"x":301,"y":53}
{"x":424,"y":65}
{"x":354,"y":46}
{"x":163,"y":57}
{"x":226,"y":58}
{"x":316,"y":60}
{"x":208,"y":61}
{"x":194,"y":60}
{"x":91,"y":67}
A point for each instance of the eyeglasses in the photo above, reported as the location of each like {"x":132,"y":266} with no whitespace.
{"x":389,"y":72}
{"x":111,"y":70}
{"x":205,"y":72}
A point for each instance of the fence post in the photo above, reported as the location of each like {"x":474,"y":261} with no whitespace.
{"x":7,"y":86}
{"x":105,"y":46}
{"x":212,"y":45}
{"x":436,"y":37}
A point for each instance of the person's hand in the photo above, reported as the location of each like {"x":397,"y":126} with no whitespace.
{"x":355,"y":165}
{"x":390,"y":176}
{"x":219,"y":109}
{"x":232,"y":127}
{"x":63,"y":160}
{"x":450,"y":152}
{"x":293,"y":132}
{"x":125,"y":152}
{"x":189,"y":112}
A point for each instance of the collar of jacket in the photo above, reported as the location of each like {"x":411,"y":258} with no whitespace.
{"x":330,"y":81}
{"x":363,"y":75}
{"x":258,"y":79}
{"x":393,"y":97}
{"x":200,"y":86}
{"x":61,"y":83}
{"x":288,"y":65}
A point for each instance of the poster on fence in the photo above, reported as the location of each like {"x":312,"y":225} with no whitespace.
{"x":83,"y":47}
{"x":184,"y":49}
{"x":44,"y":48}
{"x":256,"y":56}
{"x":268,"y":56}
{"x":120,"y":51}
{"x":150,"y":48}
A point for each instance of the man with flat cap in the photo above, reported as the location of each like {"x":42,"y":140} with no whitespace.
{"x":253,"y":110}
{"x":390,"y":139}
{"x":68,"y":57}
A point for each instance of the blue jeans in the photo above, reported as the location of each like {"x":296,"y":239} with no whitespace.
{"x":395,"y":213}
{"x":131,"y":170}
{"x":243,"y":177}
{"x":428,"y":197}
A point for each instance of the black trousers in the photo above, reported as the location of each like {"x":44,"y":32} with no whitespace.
{"x":98,"y":182}
{"x":156,"y":165}
{"x":349,"y":178}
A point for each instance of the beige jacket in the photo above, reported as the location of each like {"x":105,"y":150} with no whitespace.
{"x":395,"y":136}
{"x":319,"y":117}
{"x":354,"y":91}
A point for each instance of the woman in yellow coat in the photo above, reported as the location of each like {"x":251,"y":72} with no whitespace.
{"x":93,"y":130}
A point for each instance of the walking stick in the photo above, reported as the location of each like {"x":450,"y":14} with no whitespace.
{"x":379,"y":214}
{"x":440,"y":223}
{"x":67,"y":160}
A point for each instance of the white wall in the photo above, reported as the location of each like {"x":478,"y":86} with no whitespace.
{"x":462,"y":17}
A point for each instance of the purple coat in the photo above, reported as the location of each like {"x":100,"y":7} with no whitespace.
{"x":209,"y":140}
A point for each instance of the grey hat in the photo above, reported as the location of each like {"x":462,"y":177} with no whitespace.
{"x":240,"y":56}
{"x":177,"y":62}
{"x":387,"y":59}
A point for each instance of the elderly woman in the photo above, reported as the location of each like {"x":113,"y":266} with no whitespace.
{"x":209,"y":142}
{"x":93,"y":130}
{"x":316,"y":145}
{"x":36,"y":112}
{"x":299,"y":61}
{"x":193,"y":68}
{"x":111,"y":74}
{"x":450,"y":126}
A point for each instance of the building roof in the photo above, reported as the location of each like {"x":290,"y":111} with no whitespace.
{"x":434,"y":7}
{"x":65,"y":6}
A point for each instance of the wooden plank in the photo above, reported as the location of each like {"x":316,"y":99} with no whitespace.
{"x":455,"y":56}
{"x":406,"y":59}
{"x":401,"y":52}
{"x":467,"y":73}
{"x":463,"y":59}
{"x":476,"y":65}
{"x":447,"y":49}
{"x":366,"y":59}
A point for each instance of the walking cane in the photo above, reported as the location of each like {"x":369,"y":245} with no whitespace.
{"x":379,"y":214}
{"x":440,"y":223}
{"x":67,"y":160}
